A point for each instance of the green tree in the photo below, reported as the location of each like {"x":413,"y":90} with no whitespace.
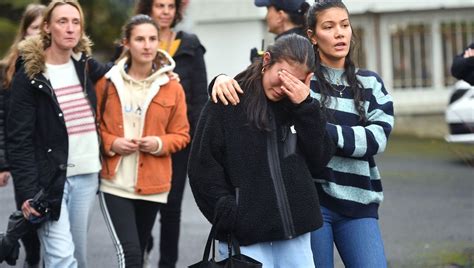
{"x":10,"y":14}
{"x":103,"y":19}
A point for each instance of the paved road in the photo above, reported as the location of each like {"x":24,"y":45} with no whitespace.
{"x":427,"y":218}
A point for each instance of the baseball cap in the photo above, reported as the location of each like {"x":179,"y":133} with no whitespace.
{"x":292,"y":6}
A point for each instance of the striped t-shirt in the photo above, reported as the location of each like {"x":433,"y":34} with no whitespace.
{"x":351,"y":184}
{"x":83,"y":154}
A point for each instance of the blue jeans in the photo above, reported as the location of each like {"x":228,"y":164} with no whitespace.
{"x":65,"y":241}
{"x":295,"y":252}
{"x":358,"y":241}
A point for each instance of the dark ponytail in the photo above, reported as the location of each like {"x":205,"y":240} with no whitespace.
{"x":299,"y":17}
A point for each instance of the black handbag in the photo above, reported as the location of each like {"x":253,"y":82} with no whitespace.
{"x":237,"y":260}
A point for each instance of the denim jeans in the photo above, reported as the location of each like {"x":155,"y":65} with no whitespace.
{"x":295,"y":252}
{"x":358,"y":241}
{"x":65,"y":241}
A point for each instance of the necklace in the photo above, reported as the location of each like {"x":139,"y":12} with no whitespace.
{"x":338,"y":83}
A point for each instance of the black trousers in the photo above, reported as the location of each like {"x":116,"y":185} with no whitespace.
{"x":130,"y":223}
{"x":32,"y":247}
{"x":171,"y":213}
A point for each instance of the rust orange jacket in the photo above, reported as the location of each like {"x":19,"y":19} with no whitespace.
{"x":164,"y":116}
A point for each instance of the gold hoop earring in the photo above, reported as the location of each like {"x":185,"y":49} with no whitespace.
{"x":263,"y":70}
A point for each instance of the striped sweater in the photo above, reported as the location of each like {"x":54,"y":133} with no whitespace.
{"x":83,"y":142}
{"x":351,"y":184}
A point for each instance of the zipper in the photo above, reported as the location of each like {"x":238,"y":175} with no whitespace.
{"x":55,"y":101}
{"x":53,"y":96}
{"x":277,"y":177}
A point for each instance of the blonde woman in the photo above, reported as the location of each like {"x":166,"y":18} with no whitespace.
{"x":52,"y":136}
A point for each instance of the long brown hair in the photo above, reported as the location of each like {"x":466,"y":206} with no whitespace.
{"x":349,"y":67}
{"x":31,"y":13}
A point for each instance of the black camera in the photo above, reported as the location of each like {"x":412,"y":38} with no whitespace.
{"x":42,"y":207}
{"x":18,"y":226}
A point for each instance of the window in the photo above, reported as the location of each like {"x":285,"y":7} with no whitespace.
{"x":456,"y":37}
{"x":359,"y":56}
{"x":411,"y":55}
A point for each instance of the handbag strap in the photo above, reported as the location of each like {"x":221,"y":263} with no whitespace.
{"x":232,"y":241}
{"x":210,"y":241}
{"x":233,"y":245}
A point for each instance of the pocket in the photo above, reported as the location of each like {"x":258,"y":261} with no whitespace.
{"x":160,"y":110}
{"x":164,"y":102}
{"x":289,"y":144}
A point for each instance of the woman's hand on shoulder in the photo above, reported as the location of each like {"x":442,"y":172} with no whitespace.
{"x":469,"y":53}
{"x":173,"y":76}
{"x":124,"y":146}
{"x":296,"y":90}
{"x":226,"y":89}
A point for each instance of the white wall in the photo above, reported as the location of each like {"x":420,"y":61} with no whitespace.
{"x":228,"y":29}
{"x":228,"y":44}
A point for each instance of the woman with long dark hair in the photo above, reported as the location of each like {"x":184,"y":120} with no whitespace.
{"x":360,"y":118}
{"x":360,"y":112}
{"x":251,"y":166}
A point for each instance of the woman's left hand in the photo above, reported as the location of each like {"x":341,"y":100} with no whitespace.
{"x":147,"y":144}
{"x":296,"y":90}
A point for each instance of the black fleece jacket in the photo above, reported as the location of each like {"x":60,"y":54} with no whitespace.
{"x":228,"y":153}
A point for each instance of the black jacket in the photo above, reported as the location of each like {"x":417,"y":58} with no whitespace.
{"x":3,"y":101}
{"x":37,"y":142}
{"x":191,"y":68}
{"x":297,"y":30}
{"x":463,"y":68}
{"x":230,"y":174}
{"x":256,"y":54}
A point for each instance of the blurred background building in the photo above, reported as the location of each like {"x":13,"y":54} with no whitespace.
{"x":409,"y":43}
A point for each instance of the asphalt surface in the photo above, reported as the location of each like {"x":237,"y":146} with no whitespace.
{"x":427,"y":218}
